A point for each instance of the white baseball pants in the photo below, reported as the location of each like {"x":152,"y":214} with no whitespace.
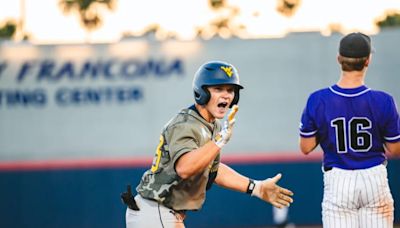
{"x":152,"y":215}
{"x":357,"y":199}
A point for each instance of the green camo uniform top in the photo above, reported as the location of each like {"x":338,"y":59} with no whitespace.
{"x":185,"y":132}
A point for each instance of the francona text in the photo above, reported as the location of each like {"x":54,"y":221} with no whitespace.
{"x":110,"y":70}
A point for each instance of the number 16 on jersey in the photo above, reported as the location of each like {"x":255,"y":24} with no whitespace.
{"x":352,"y":134}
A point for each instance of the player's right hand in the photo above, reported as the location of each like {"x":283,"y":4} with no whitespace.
{"x":269,"y":191}
{"x":225,"y":134}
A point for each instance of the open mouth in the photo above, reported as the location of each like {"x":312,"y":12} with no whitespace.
{"x":222,"y":104}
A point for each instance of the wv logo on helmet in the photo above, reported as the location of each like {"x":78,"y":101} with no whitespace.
{"x":227,"y":70}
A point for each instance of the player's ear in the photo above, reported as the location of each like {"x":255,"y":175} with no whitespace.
{"x":367,"y":61}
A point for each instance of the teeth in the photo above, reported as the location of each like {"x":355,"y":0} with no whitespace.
{"x":223,"y":104}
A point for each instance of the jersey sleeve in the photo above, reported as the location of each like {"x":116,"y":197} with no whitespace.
{"x":392,"y":125}
{"x":181,"y":139}
{"x":308,"y":126}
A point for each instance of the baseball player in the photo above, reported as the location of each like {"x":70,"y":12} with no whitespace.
{"x":354,"y":125}
{"x":187,"y":159}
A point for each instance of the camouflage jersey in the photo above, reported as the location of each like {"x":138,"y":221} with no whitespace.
{"x":187,"y":131}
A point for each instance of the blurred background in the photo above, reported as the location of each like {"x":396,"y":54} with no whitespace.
{"x":87,"y":85}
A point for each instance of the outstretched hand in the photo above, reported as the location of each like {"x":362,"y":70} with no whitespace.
{"x":225,"y":134}
{"x":270,"y":192}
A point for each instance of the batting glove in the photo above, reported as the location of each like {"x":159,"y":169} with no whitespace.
{"x":225,"y":134}
{"x":272,"y":193}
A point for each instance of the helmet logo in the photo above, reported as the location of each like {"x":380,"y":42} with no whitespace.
{"x":227,"y":70}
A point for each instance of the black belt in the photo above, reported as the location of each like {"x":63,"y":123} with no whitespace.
{"x":326,"y":168}
{"x":181,"y":212}
{"x":180,"y":215}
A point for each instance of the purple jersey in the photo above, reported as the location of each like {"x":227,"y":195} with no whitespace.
{"x":351,"y":125}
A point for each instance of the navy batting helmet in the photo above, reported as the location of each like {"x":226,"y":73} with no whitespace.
{"x":215,"y":73}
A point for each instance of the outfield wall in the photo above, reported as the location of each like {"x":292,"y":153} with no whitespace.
{"x":89,"y":197}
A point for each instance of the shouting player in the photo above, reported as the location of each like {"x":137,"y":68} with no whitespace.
{"x":187,"y":159}
{"x":353,"y":125}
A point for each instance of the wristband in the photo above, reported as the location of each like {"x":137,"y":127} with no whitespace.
{"x":251,"y":186}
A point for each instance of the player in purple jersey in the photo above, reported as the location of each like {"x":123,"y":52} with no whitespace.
{"x":354,"y":125}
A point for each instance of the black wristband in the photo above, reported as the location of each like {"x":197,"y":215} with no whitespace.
{"x":251,"y":186}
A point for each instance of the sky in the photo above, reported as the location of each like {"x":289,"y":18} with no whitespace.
{"x":46,"y":23}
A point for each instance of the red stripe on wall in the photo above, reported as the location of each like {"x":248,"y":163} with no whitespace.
{"x":75,"y":164}
{"x":280,"y":157}
{"x":139,"y":162}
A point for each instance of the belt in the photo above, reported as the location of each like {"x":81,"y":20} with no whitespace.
{"x":179,"y":214}
{"x":327,"y":168}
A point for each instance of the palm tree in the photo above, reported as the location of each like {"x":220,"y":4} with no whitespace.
{"x":7,"y":31}
{"x":87,"y":11}
{"x":391,"y":19}
{"x":216,"y":4}
{"x":224,"y":24}
{"x":14,"y":28}
{"x":288,"y":7}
